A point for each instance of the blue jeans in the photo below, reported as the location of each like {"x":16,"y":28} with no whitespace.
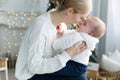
{"x":72,"y":71}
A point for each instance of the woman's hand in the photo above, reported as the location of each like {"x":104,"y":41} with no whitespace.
{"x":77,"y":48}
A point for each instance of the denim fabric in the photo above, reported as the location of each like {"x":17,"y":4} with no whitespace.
{"x":72,"y":71}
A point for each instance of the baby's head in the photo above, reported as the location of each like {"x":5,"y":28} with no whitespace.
{"x":93,"y":26}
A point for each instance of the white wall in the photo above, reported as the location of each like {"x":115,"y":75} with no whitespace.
{"x":116,"y":18}
{"x":113,"y":31}
{"x":25,"y":5}
{"x":110,"y":45}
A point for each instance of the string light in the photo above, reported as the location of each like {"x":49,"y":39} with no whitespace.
{"x":17,"y":23}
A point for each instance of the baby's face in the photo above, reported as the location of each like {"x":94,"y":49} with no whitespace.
{"x":87,"y":26}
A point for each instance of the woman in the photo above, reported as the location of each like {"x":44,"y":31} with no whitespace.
{"x":36,"y":55}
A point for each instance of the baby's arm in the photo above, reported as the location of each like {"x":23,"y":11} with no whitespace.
{"x":66,"y":41}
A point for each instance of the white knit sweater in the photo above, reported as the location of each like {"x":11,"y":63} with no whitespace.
{"x":36,"y":55}
{"x":68,"y":39}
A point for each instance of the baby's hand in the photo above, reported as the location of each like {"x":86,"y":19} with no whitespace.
{"x":59,"y":29}
{"x":77,"y":28}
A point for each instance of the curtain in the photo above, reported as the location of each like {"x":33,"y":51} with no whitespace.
{"x":113,"y":24}
{"x":116,"y":23}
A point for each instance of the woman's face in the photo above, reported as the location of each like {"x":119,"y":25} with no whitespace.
{"x":87,"y":26}
{"x":74,"y":18}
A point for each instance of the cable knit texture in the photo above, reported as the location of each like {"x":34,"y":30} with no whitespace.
{"x":36,"y":55}
{"x":70,"y":38}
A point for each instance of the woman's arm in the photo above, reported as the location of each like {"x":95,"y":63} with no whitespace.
{"x":37,"y":62}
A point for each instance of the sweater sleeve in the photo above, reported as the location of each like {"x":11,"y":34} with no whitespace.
{"x":67,"y":40}
{"x":37,"y":63}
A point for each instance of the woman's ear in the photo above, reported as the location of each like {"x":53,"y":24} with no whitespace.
{"x":69,"y":11}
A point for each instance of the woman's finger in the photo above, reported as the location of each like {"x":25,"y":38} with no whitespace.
{"x":83,"y":46}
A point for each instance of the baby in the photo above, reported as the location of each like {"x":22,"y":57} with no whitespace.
{"x":92,"y":29}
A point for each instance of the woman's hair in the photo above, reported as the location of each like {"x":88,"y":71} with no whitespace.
{"x":79,"y":6}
